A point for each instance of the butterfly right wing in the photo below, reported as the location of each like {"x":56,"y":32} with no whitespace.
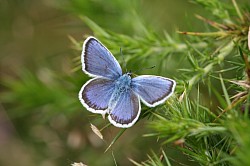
{"x":96,"y":93}
{"x":153,"y":90}
{"x":97,"y":60}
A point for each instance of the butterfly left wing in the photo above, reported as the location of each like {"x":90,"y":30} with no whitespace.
{"x":97,"y":60}
{"x":96,"y":93}
{"x":153,"y":90}
{"x":126,"y":111}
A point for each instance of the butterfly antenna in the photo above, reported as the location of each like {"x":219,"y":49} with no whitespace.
{"x":146,"y":68}
{"x":124,"y":65}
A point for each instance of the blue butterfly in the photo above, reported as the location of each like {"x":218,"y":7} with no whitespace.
{"x":117,"y":94}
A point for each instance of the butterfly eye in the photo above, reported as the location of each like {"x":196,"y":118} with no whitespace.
{"x":129,"y":73}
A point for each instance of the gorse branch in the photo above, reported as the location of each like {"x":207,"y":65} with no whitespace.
{"x":206,"y":138}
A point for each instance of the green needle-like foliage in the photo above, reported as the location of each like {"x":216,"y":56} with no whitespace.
{"x":207,"y":118}
{"x":206,"y":137}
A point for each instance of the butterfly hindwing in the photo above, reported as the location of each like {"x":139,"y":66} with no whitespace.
{"x":153,"y":90}
{"x":126,"y":111}
{"x":98,"y":61}
{"x":96,"y":93}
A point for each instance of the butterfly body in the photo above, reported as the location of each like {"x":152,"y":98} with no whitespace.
{"x":115,"y":93}
{"x":122,"y":85}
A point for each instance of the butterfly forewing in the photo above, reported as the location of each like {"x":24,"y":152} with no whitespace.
{"x":153,"y":90}
{"x":98,"y":61}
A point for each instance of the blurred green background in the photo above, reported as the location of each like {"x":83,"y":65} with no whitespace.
{"x":42,"y":122}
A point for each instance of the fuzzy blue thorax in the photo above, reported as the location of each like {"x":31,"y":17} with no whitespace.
{"x":122,"y":84}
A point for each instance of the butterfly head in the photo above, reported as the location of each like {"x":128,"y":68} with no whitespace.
{"x":124,"y":79}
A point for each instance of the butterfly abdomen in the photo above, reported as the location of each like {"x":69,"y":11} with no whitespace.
{"x":122,"y":85}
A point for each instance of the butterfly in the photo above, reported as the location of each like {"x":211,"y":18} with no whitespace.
{"x":114,"y":93}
